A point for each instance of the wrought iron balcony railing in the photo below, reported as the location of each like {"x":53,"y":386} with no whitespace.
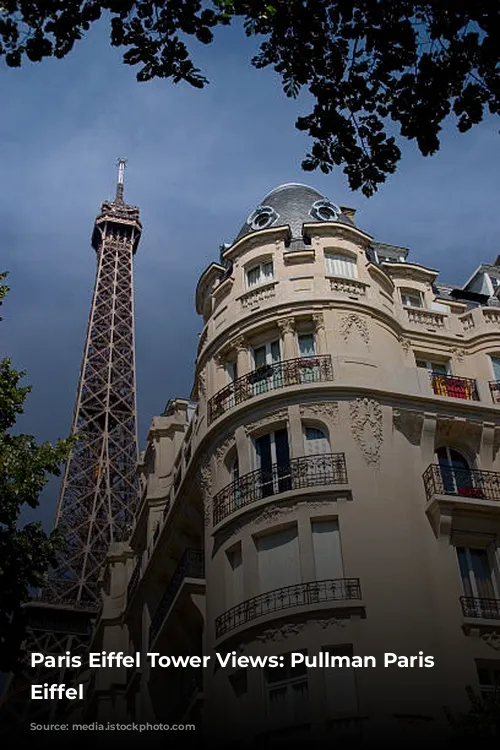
{"x":488,"y":609}
{"x":454,"y":387}
{"x":299,"y":473}
{"x":134,"y":579}
{"x":495,"y":391}
{"x":269,"y":378}
{"x":447,"y":480}
{"x":299,"y":595}
{"x":191,"y":565}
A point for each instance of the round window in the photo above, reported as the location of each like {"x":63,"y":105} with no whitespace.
{"x":325,"y":211}
{"x":262,"y":217}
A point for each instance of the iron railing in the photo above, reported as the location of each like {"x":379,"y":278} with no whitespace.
{"x":299,"y":473}
{"x":191,"y":565}
{"x":489,"y":609}
{"x":495,"y":391}
{"x":454,"y":386}
{"x":269,"y":378}
{"x":447,"y":480}
{"x":299,"y":595}
{"x":134,"y":579}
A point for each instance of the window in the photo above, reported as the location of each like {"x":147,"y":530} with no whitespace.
{"x":341,"y":265}
{"x":232,"y":371}
{"x":442,"y":368}
{"x":325,"y":210}
{"x":267,"y":374}
{"x":476,"y":571}
{"x":340,"y":684}
{"x":411,"y":298}
{"x":307,"y":345}
{"x":287,"y":694}
{"x":489,"y":677}
{"x":239,"y":682}
{"x":234,"y":588}
{"x":279,"y":560}
{"x":260,"y":273}
{"x":262,"y":217}
{"x":495,"y":366}
{"x":272,"y":456}
{"x":456,"y":475}
{"x":327,"y":552}
{"x":315,"y":441}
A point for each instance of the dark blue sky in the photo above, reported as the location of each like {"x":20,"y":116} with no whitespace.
{"x":198,"y":162}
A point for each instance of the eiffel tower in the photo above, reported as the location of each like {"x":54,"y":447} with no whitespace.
{"x":99,"y":491}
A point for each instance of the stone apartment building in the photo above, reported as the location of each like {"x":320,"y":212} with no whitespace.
{"x":332,"y":484}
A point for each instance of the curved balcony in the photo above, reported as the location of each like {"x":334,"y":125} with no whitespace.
{"x":190,"y":566}
{"x":267,"y":378}
{"x":453,"y":386}
{"x":308,"y":594}
{"x":300,"y":473}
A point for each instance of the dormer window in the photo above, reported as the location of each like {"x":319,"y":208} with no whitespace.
{"x":261,"y":273}
{"x":325,"y":211}
{"x":411,"y":298}
{"x":262,"y":217}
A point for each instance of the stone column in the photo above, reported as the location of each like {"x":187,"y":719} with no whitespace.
{"x":287,"y":331}
{"x":242,"y":356}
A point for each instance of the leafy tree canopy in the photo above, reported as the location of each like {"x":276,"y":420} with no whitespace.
{"x":26,"y":552}
{"x":374,"y":68}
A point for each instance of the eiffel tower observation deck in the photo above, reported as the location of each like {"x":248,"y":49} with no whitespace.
{"x":99,"y":491}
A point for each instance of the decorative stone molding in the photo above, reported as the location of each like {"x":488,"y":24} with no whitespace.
{"x":353,"y":320}
{"x":409,"y":423}
{"x":492,"y":640}
{"x":220,"y":360}
{"x":428,"y":318}
{"x":459,"y":353}
{"x":206,"y":487}
{"x":329,"y":409}
{"x":202,"y":382}
{"x":276,"y":416}
{"x":281,"y":633}
{"x":239,"y":344}
{"x":330,"y":623}
{"x":222,"y":450}
{"x":256,"y":296}
{"x":468,"y":322}
{"x":348,"y":286}
{"x":319,"y":321}
{"x":366,"y":426}
{"x":286,"y":325}
{"x":405,"y":344}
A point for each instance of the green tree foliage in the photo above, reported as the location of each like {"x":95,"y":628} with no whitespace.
{"x":26,"y":551}
{"x":375,"y":69}
{"x":482,"y":721}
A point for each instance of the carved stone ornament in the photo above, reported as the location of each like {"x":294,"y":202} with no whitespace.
{"x":276,"y":416}
{"x":206,"y":487}
{"x":492,"y":640}
{"x":330,"y":623}
{"x":286,"y":325}
{"x":405,"y":344}
{"x":202,"y":387}
{"x":319,"y":321}
{"x":356,"y":322}
{"x":325,"y":409}
{"x":366,"y":426}
{"x":239,"y":344}
{"x":409,"y":423}
{"x":459,"y":353}
{"x":222,"y":450}
{"x":288,"y":630}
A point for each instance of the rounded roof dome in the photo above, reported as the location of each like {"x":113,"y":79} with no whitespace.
{"x":292,"y":205}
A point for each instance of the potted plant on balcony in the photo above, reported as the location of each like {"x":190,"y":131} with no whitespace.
{"x":261,"y":373}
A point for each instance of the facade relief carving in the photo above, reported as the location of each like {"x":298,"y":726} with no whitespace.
{"x":325,"y":409}
{"x":276,"y":416}
{"x":355,"y":322}
{"x":222,"y":450}
{"x":319,"y":321}
{"x":286,"y":325}
{"x":206,"y":488}
{"x":405,"y":344}
{"x":492,"y":640}
{"x":366,"y":425}
{"x":288,"y":630}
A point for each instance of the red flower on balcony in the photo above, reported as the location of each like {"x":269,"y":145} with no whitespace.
{"x":470,"y":492}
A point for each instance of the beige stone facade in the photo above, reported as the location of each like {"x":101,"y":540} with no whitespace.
{"x":332,"y":486}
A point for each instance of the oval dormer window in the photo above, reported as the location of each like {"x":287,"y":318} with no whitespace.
{"x":262,"y":217}
{"x":325,"y":211}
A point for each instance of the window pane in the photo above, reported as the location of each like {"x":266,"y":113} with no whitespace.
{"x":267,"y":270}
{"x":495,"y":361}
{"x":306,"y":345}
{"x":253,"y":276}
{"x":341,"y":265}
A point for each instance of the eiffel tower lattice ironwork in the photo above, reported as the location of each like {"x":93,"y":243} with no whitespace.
{"x":99,"y":492}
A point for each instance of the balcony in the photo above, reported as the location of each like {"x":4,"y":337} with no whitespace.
{"x":484,"y":609}
{"x":467,"y":490}
{"x":453,"y":386}
{"x":269,"y":378}
{"x":191,"y":566}
{"x":134,"y":579}
{"x":312,"y":594}
{"x":300,"y":473}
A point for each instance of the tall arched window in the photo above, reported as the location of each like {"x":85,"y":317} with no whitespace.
{"x":456,"y":474}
